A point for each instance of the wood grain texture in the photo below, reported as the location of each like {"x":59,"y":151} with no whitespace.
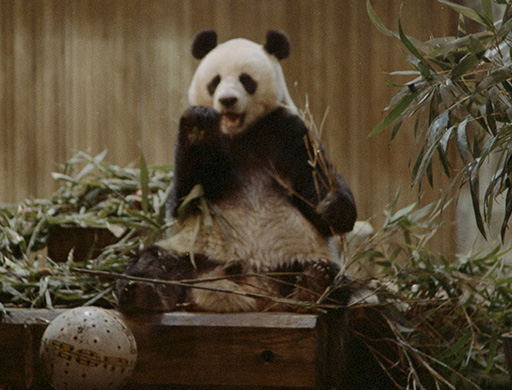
{"x":228,"y":357}
{"x":93,"y":75}
{"x":507,"y":346}
{"x":200,"y":350}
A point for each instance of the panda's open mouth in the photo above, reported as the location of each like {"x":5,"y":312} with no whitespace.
{"x":232,"y":120}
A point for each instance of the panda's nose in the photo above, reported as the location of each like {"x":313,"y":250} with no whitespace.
{"x":229,"y":101}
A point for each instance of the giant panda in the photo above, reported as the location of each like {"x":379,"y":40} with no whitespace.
{"x":270,"y":199}
{"x":255,"y":202}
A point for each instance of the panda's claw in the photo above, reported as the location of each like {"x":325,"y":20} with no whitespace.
{"x":204,"y":118}
{"x":198,"y":124}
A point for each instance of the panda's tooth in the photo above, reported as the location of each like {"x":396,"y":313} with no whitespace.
{"x":232,"y":120}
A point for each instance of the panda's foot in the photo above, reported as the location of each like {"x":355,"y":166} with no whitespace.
{"x":156,"y":264}
{"x":197,"y":124}
{"x":137,"y":297}
{"x":314,"y":280}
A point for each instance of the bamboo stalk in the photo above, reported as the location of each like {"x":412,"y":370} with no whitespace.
{"x":188,"y":283}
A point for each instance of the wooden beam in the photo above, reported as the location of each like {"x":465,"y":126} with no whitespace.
{"x":200,"y":350}
{"x":507,"y":344}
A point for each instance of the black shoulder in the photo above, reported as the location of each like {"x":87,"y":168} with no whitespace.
{"x":273,"y":136}
{"x":303,"y":171}
{"x":202,"y":157}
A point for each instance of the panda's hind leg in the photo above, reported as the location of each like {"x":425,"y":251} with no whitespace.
{"x":314,"y":280}
{"x":153,"y":263}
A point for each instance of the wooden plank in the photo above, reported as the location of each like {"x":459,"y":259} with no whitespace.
{"x":227,"y":356}
{"x":86,"y":243}
{"x":507,"y":344}
{"x":12,"y":356}
{"x":19,"y":356}
{"x":239,"y":320}
{"x":202,"y":350}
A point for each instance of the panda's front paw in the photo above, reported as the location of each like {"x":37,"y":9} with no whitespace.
{"x":198,"y":123}
{"x":337,"y":210}
{"x":318,"y":276}
{"x":314,"y":280}
{"x":142,"y":296}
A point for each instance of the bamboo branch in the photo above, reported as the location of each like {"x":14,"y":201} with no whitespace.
{"x":188,"y":283}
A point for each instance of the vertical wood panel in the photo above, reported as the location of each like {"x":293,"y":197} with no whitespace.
{"x":7,"y":190}
{"x":93,"y":75}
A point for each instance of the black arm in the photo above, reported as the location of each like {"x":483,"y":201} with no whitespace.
{"x":331,"y":203}
{"x":201,"y":157}
{"x":321,"y":194}
{"x":280,"y":143}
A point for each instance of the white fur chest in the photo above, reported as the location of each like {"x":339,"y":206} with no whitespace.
{"x":256,"y":224}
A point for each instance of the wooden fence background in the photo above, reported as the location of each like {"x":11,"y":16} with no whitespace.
{"x":113,"y":74}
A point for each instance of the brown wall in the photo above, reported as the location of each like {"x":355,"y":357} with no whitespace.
{"x":112,"y":74}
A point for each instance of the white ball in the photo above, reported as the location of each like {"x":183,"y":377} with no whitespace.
{"x":88,"y":348}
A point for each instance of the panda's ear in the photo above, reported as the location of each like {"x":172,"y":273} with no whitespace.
{"x":277,"y":44}
{"x":204,"y":42}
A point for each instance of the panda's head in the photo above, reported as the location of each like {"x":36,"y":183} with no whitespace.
{"x":240,"y":79}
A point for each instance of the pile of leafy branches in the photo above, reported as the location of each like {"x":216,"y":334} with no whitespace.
{"x":461,"y":102}
{"x":129,"y":202}
{"x":447,"y":314}
{"x":450,"y":314}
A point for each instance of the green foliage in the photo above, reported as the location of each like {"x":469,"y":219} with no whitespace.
{"x":449,"y":314}
{"x":93,"y":193}
{"x":461,"y":102}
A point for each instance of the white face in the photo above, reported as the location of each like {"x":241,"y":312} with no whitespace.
{"x":242,"y":82}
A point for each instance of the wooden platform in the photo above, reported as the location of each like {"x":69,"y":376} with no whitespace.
{"x":190,"y":350}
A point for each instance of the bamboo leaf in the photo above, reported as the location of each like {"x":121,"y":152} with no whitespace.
{"x":468,"y":13}
{"x":504,"y":281}
{"x":443,"y":159}
{"x":418,"y":170}
{"x":400,"y":214}
{"x":496,"y":77}
{"x":493,"y":347}
{"x":193,"y":240}
{"x":144,"y":183}
{"x":506,"y":27}
{"x":394,"y":132}
{"x":205,"y":210}
{"x":197,"y":192}
{"x":461,"y":27}
{"x":462,"y":142}
{"x":489,"y":117}
{"x":377,"y":22}
{"x":436,"y":133}
{"x":430,"y":175}
{"x":508,"y":212}
{"x":474,"y":187}
{"x":487,"y":10}
{"x":397,"y":110}
{"x":371,"y":254}
{"x":445,"y":139}
{"x":468,"y":62}
{"x":456,"y":349}
{"x":422,"y":213}
{"x":398,"y":123}
{"x":425,"y":68}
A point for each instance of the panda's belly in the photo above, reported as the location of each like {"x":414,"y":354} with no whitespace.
{"x":257,"y":224}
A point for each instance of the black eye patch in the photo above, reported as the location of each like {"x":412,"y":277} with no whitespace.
{"x":248,"y":82}
{"x":212,"y":85}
